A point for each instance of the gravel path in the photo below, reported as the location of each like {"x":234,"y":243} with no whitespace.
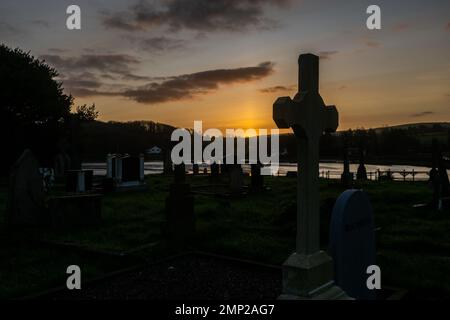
{"x":188,"y":277}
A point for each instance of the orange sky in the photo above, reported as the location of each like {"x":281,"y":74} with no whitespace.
{"x":177,"y":67}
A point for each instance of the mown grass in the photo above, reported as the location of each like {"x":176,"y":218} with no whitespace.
{"x":412,"y":243}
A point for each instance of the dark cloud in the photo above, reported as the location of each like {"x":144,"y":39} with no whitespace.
{"x":278,"y":89}
{"x":422,"y":114}
{"x":326,"y":55}
{"x":116,"y":63}
{"x":90,"y":74}
{"x":189,"y":85}
{"x":198,"y":15}
{"x":160,"y":44}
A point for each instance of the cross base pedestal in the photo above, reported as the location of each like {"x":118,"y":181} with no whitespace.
{"x":310,"y":277}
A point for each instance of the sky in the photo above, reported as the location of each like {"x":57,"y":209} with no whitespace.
{"x":225,"y":62}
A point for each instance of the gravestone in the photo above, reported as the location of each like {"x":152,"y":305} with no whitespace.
{"x":195,"y":169}
{"x":352,"y":243}
{"x":215,"y":168}
{"x":361,"y":174}
{"x":180,"y":217}
{"x":79,"y":181}
{"x":125,"y":173}
{"x":180,"y":173}
{"x":72,"y":211}
{"x":26,"y":193}
{"x":167,"y":164}
{"x":346,"y":176}
{"x":236,"y":179}
{"x":308,"y":272}
{"x":257,"y":179}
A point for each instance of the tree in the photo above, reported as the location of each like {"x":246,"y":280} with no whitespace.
{"x":86,"y":113}
{"x":33,"y":107}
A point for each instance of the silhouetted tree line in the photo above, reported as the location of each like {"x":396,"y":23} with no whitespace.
{"x":100,"y":138}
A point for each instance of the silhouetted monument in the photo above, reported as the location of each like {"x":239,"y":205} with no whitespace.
{"x":195,"y":169}
{"x":346,"y":176}
{"x":361,"y":174}
{"x":167,"y":163}
{"x":257,"y":179}
{"x":308,"y":273}
{"x":180,"y":217}
{"x":236,"y":179}
{"x":215,"y":174}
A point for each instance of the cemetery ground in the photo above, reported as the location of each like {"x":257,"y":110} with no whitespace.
{"x":413,"y":243}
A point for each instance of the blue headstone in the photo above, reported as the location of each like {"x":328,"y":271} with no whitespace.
{"x":352,"y":243}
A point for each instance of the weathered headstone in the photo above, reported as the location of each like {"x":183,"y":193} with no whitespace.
{"x":352,"y":243}
{"x":26,"y":193}
{"x":308,"y":273}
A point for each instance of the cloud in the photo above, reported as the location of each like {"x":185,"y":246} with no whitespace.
{"x":276,"y":89}
{"x":447,"y":27}
{"x":422,"y":114}
{"x":198,"y":15}
{"x":326,"y":55}
{"x":159,"y":44}
{"x":116,"y":63}
{"x":190,"y":85}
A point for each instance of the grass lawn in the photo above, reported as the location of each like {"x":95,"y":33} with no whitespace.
{"x":413,"y":244}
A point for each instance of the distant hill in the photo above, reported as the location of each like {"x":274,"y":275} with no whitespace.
{"x":419,"y":125}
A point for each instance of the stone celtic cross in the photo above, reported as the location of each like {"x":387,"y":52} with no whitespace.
{"x":308,"y":268}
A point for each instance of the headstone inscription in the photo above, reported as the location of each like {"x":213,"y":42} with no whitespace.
{"x":307,"y":273}
{"x":26,"y":194}
{"x":352,"y":243}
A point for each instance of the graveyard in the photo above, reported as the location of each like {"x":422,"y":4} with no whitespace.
{"x":412,"y":243}
{"x":197,"y":154}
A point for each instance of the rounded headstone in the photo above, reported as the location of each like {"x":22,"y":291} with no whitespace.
{"x":352,"y":243}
